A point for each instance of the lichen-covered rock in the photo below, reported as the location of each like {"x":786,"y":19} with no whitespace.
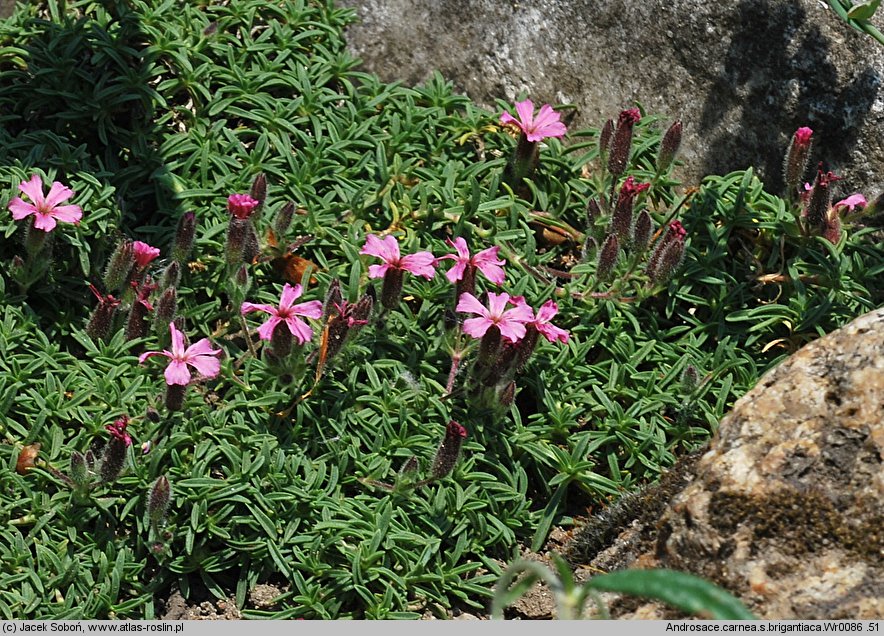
{"x":786,"y":508}
{"x":743,"y":76}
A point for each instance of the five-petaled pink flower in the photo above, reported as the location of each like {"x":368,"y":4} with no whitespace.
{"x":200,"y":356}
{"x":387,"y":249}
{"x":287,"y":312}
{"x":46,"y":210}
{"x":546,"y":124}
{"x":144,"y":253}
{"x":510,"y":322}
{"x":241,"y":205}
{"x":485,"y":261}
{"x":542,"y":320}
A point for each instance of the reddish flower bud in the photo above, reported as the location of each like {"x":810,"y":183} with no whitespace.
{"x":281,"y":341}
{"x":669,"y":147}
{"x":112,"y":459}
{"x":667,"y":255}
{"x":621,"y":220}
{"x":184,"y":237}
{"x":641,"y":233}
{"x":820,"y":200}
{"x":119,"y":265}
{"x":258,"y":191}
{"x":608,"y":257}
{"x":622,"y":142}
{"x":391,"y":290}
{"x":489,"y":346}
{"x":333,"y":299}
{"x":797,"y":155}
{"x":449,"y":450}
{"x":103,"y":315}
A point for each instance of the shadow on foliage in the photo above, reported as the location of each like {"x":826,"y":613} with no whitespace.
{"x":78,"y":97}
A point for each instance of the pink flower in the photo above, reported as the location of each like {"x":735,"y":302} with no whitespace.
{"x":200,"y":356}
{"x":546,"y":124}
{"x":542,"y":322}
{"x":144,"y":253}
{"x":853,"y":201}
{"x":510,"y":322}
{"x":387,"y":249}
{"x":46,"y":210}
{"x":118,"y":430}
{"x":241,"y":205}
{"x":485,"y":261}
{"x":288,"y":313}
{"x":803,"y":135}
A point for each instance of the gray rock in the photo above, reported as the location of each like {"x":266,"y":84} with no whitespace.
{"x":787,"y":506}
{"x":741,"y":75}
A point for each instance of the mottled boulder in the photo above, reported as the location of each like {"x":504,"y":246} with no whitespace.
{"x":786,"y":507}
{"x":741,"y":75}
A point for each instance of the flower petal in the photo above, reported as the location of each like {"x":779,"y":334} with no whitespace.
{"x":460,"y":245}
{"x":525,"y":111}
{"x":69,"y":214}
{"x":20,"y":209}
{"x":552,"y":333}
{"x":419,"y":264}
{"x":310,"y":309}
{"x":489,"y":264}
{"x":497,"y":303}
{"x":149,"y":354}
{"x":289,"y":294}
{"x":57,"y":193}
{"x":247,"y":307}
{"x":177,"y":341}
{"x":299,"y":329}
{"x":476,"y":327}
{"x":377,"y":271}
{"x":176,"y":373}
{"x":207,"y":366}
{"x":467,"y":303}
{"x":34,"y":189}
{"x":510,"y":328}
{"x":201,"y":348}
{"x":386,"y":249}
{"x":456,"y":273}
{"x":266,"y":330}
{"x":44,"y":222}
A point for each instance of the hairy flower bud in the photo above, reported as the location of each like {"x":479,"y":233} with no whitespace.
{"x":667,"y":255}
{"x":171,"y":275}
{"x":593,"y":213}
{"x":508,"y":394}
{"x":409,"y":467}
{"x":333,"y":299}
{"x":281,"y":341}
{"x":166,"y":308}
{"x":590,"y":248}
{"x":113,"y":459}
{"x":621,"y":220}
{"x":607,"y":257}
{"x":237,"y":231}
{"x":669,"y":147}
{"x":489,"y":346}
{"x":79,"y":471}
{"x":101,"y":321}
{"x":690,"y":379}
{"x":622,"y":142}
{"x":35,"y":239}
{"x":820,"y":200}
{"x":283,"y":219}
{"x":641,"y":233}
{"x":258,"y":191}
{"x":242,"y":279}
{"x":251,"y":249}
{"x":184,"y":237}
{"x":119,"y":265}
{"x":158,"y":499}
{"x":797,"y":155}
{"x":605,"y":135}
{"x":449,"y":450}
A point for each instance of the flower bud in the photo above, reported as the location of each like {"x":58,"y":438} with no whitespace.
{"x":158,"y":499}
{"x":152,"y":415}
{"x":690,"y":379}
{"x":113,"y":459}
{"x":797,"y":155}
{"x":118,"y":267}
{"x":135,"y":326}
{"x":605,"y":135}
{"x":258,"y":191}
{"x":466,"y":284}
{"x":641,"y":233}
{"x":668,"y":147}
{"x":35,"y":239}
{"x":251,"y":249}
{"x":832,"y":230}
{"x":589,"y":249}
{"x":237,"y":230}
{"x":171,"y":275}
{"x":525,"y":347}
{"x":101,"y":321}
{"x":820,"y":200}
{"x":489,"y":346}
{"x":667,"y":255}
{"x":166,"y":308}
{"x":409,"y":467}
{"x":242,"y":278}
{"x":283,"y":219}
{"x":622,"y":142}
{"x":184,"y":237}
{"x":449,"y":450}
{"x":593,"y":213}
{"x":607,"y":257}
{"x":333,"y":299}
{"x":508,"y":395}
{"x":79,"y":471}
